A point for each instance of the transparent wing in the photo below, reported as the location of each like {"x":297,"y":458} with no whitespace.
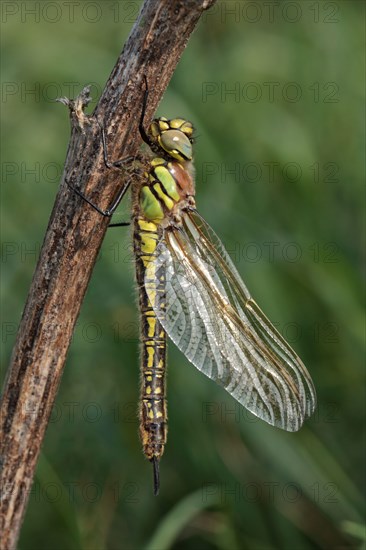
{"x":210,"y":315}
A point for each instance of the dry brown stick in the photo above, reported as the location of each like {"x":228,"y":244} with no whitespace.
{"x":74,"y":236}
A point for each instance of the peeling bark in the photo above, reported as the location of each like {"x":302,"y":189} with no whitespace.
{"x":74,"y":236}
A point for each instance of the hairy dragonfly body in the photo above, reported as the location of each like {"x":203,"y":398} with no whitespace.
{"x":190,"y":290}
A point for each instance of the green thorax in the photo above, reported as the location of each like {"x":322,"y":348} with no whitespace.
{"x":169,"y":180}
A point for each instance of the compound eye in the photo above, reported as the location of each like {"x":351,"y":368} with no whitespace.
{"x":177,"y":144}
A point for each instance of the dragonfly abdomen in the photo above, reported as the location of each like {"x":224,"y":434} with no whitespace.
{"x":165,"y":185}
{"x":153,"y":410}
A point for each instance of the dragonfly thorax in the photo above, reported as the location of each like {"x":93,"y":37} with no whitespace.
{"x":167,"y":190}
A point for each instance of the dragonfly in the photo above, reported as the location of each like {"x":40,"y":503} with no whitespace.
{"x":190,"y":290}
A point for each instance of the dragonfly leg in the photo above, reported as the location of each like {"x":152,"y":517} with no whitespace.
{"x":144,"y":135}
{"x":117,"y":163}
{"x":109,"y":211}
{"x":119,"y":224}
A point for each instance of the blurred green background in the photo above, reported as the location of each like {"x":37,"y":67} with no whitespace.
{"x":276,"y":93}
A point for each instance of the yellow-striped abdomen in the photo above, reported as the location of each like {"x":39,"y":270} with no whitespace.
{"x":153,"y":413}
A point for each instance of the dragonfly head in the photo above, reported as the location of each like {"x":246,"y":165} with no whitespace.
{"x":173,"y":137}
